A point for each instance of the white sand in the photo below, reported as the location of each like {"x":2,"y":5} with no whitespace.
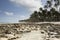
{"x":34,"y":35}
{"x":3,"y":38}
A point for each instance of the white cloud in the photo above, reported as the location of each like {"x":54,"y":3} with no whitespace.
{"x":30,"y":4}
{"x":9,"y":13}
{"x":24,"y":17}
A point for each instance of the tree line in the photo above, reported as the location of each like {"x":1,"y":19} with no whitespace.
{"x":43,"y":15}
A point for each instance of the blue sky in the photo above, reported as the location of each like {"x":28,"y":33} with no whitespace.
{"x":15,"y":10}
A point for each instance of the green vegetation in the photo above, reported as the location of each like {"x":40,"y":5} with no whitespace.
{"x":43,"y":15}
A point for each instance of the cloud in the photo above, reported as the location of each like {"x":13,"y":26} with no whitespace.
{"x":24,"y":17}
{"x":9,"y":13}
{"x":30,"y":4}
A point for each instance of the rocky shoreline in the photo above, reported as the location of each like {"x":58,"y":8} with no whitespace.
{"x":17,"y":31}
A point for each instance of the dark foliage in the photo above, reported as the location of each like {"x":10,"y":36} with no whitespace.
{"x":45,"y":15}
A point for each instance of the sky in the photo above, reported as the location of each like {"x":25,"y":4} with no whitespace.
{"x":11,"y":11}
